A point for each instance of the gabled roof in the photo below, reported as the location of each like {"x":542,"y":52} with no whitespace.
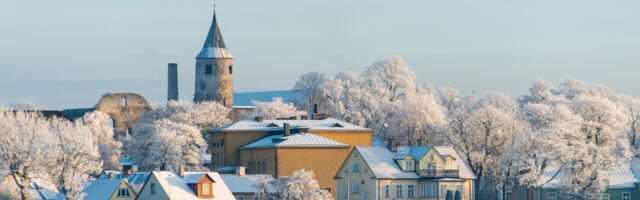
{"x":415,"y":152}
{"x":322,"y":124}
{"x":136,"y":180}
{"x":177,"y":187}
{"x":294,"y":140}
{"x":622,"y":176}
{"x":102,"y":188}
{"x":214,"y":46}
{"x":381,"y":163}
{"x":242,"y":184}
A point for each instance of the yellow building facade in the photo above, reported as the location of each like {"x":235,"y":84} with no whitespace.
{"x":430,"y":173}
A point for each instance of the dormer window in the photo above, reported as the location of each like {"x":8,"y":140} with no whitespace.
{"x":409,"y":165}
{"x":272,"y":125}
{"x":203,"y":187}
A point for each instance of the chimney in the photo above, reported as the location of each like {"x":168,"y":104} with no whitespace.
{"x":240,"y":170}
{"x":393,"y":145}
{"x":259,"y":119}
{"x":420,"y":142}
{"x":172,"y":80}
{"x":181,"y":171}
{"x":303,"y":117}
{"x":111,"y":175}
{"x":315,"y":108}
{"x":287,"y":129}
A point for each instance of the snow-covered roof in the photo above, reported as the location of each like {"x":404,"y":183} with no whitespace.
{"x":242,"y":184}
{"x":464,"y":171}
{"x":177,"y":187}
{"x":622,"y":176}
{"x":294,"y":140}
{"x":382,"y":162}
{"x":102,"y":188}
{"x":214,"y":44}
{"x":247,"y":98}
{"x":322,"y":124}
{"x":136,"y":180}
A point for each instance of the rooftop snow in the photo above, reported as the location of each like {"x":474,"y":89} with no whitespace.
{"x":102,"y":188}
{"x":136,"y":180}
{"x":177,"y":187}
{"x":415,"y":152}
{"x":622,"y":176}
{"x":382,"y":163}
{"x":323,"y":124}
{"x":294,"y":140}
{"x":127,"y":161}
{"x":242,"y":184}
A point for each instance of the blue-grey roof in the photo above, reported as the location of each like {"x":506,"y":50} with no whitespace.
{"x":101,"y":188}
{"x":246,"y":98}
{"x":415,"y":152}
{"x":294,"y":140}
{"x":242,"y":184}
{"x":214,"y":44}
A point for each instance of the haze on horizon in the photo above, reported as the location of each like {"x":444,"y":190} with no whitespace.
{"x":66,"y":54}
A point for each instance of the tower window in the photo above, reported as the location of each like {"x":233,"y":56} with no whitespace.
{"x":124,"y":102}
{"x":230,"y":69}
{"x":208,"y":69}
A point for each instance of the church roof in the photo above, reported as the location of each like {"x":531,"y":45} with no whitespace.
{"x":214,"y":44}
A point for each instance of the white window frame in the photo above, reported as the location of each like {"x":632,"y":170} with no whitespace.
{"x":411,"y":190}
{"x":346,"y":193}
{"x":365,"y":192}
{"x":207,"y":190}
{"x":355,"y":188}
{"x":387,"y":191}
{"x":399,"y":190}
{"x":355,"y":167}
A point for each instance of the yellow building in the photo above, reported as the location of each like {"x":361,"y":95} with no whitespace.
{"x":281,"y":155}
{"x":422,"y":172}
{"x":226,"y":140}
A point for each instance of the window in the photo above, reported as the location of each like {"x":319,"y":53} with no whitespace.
{"x":606,"y":197}
{"x":230,"y":69}
{"x":153,"y":188}
{"x":399,"y":190}
{"x":355,"y":154}
{"x":123,"y":192}
{"x":366,"y":169}
{"x":270,"y":198}
{"x":346,"y":193}
{"x":356,"y":167}
{"x":626,"y":196}
{"x":222,"y":142}
{"x":365,"y":192}
{"x":410,"y":191}
{"x":224,"y":102}
{"x":124,"y":102}
{"x":552,"y":196}
{"x":208,"y":69}
{"x":409,"y":165}
{"x":240,"y":198}
{"x":387,"y":193}
{"x":346,"y":170}
{"x":429,"y":190}
{"x":355,"y":188}
{"x":206,"y":189}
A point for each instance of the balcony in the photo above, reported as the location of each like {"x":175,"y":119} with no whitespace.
{"x":434,"y":173}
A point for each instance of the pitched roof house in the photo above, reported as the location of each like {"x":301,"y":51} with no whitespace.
{"x":430,"y":172}
{"x":111,"y":189}
{"x":185,"y":185}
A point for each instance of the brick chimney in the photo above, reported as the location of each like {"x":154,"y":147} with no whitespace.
{"x":393,"y":145}
{"x":241,"y":170}
{"x":287,"y":129}
{"x":111,"y":175}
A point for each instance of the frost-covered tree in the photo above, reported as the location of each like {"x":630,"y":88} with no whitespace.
{"x":389,"y":78}
{"x":103,"y":136}
{"x":76,"y":157}
{"x":166,"y":145}
{"x":310,"y":87}
{"x":276,"y":109}
{"x":343,"y":98}
{"x":25,"y":147}
{"x":302,"y":185}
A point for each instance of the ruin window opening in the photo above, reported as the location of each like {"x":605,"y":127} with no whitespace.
{"x":124,"y":102}
{"x":230,"y":69}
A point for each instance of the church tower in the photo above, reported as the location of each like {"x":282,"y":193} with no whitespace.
{"x":214,"y":69}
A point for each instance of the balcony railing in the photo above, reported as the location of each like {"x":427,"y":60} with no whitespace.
{"x":434,"y":173}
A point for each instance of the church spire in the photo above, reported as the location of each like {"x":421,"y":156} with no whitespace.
{"x":214,"y":44}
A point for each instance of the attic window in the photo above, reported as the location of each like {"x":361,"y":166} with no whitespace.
{"x":206,"y":189}
{"x":337,"y":125}
{"x":273,"y":125}
{"x":123,"y":193}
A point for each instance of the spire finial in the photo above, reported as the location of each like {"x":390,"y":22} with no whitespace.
{"x":214,"y":6}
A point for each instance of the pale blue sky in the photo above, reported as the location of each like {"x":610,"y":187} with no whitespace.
{"x":66,"y":54}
